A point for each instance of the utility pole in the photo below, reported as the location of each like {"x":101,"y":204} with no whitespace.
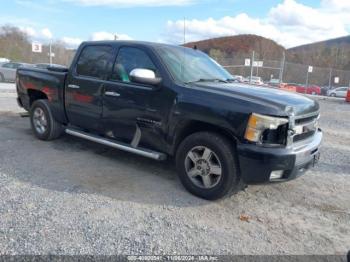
{"x":50,"y":53}
{"x":283,"y":62}
{"x":330,"y":78}
{"x":252,"y":67}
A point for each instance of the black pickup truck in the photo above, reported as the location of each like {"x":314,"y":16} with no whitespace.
{"x":162,"y":101}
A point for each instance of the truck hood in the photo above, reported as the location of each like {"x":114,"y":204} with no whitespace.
{"x":281,"y":100}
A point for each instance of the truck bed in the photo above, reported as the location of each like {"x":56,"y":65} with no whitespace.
{"x":47,"y":82}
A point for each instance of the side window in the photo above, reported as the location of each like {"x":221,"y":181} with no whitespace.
{"x":128,"y":59}
{"x":8,"y":65}
{"x":95,"y":61}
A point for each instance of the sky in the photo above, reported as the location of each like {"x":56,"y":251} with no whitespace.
{"x":288,"y":22}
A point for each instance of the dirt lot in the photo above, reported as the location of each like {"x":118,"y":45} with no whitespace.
{"x":74,"y":197}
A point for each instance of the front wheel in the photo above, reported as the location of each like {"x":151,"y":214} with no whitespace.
{"x":43,"y":124}
{"x":206,"y":165}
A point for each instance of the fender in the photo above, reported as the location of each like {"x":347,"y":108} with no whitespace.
{"x":188,"y":118}
{"x":37,"y":84}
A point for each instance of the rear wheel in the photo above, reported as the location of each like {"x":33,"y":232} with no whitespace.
{"x":207,"y":166}
{"x":2,"y":78}
{"x":43,"y":124}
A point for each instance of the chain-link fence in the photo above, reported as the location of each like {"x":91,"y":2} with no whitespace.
{"x":285,"y":71}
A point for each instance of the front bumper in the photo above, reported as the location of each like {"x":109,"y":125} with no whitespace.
{"x":257,"y":163}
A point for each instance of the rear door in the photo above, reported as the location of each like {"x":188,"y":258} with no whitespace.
{"x":85,"y":85}
{"x":129,"y":105}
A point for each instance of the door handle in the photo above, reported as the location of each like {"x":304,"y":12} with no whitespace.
{"x":111,"y":93}
{"x":74,"y":86}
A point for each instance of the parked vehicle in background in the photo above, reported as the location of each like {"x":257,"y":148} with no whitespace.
{"x":256,"y":80}
{"x":238,"y":78}
{"x":289,"y":88}
{"x":292,"y":87}
{"x":47,"y":65}
{"x":142,"y":98}
{"x":245,"y":80}
{"x":310,"y":90}
{"x":274,"y":83}
{"x":8,"y":71}
{"x":324,"y":90}
{"x":338,"y":92}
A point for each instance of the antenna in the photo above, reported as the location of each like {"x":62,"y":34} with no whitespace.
{"x":184,"y":54}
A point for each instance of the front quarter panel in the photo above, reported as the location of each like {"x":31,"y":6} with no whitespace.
{"x":213,"y":109}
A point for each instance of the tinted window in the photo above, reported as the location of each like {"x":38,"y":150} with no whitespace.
{"x":128,"y":59}
{"x":95,"y":61}
{"x":9,"y":65}
{"x":16,"y":65}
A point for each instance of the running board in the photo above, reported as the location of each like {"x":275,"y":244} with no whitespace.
{"x":118,"y":145}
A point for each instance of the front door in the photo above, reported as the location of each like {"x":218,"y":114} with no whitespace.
{"x":85,"y":85}
{"x":130,"y":106}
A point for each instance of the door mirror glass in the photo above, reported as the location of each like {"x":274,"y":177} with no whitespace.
{"x":144,"y":76}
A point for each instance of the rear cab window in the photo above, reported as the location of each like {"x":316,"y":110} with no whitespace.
{"x":95,"y":61}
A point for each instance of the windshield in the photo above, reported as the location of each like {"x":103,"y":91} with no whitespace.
{"x":188,"y":65}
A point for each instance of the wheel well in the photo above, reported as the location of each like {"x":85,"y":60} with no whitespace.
{"x":198,"y":126}
{"x":35,"y":95}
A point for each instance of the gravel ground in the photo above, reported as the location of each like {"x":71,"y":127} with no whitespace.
{"x":74,"y":197}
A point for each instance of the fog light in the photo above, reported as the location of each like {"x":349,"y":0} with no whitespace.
{"x":276,"y":174}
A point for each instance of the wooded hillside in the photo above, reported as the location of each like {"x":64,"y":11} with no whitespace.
{"x":241,"y":46}
{"x":333,"y":53}
{"x":16,"y":46}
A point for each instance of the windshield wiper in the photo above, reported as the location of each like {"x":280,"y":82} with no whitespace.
{"x":207,"y":80}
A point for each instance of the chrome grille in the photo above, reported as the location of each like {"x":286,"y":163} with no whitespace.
{"x":305,"y":127}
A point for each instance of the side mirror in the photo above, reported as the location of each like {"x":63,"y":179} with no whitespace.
{"x":144,"y":76}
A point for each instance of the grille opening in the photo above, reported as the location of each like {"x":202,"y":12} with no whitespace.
{"x":303,"y":136}
{"x":308,"y":130}
{"x":305,"y":120}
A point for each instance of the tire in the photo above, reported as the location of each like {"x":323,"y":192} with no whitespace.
{"x":2,"y":78}
{"x":197,"y":183}
{"x":41,"y":115}
{"x":332,"y":95}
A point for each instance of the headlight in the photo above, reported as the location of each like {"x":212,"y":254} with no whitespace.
{"x":266,"y":129}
